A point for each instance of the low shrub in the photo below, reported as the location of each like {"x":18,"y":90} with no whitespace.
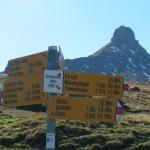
{"x":136,"y":89}
{"x":113,"y":145}
{"x":96,"y":147}
{"x":68,"y":146}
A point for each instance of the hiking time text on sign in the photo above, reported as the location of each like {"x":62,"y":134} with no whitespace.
{"x":27,"y":90}
{"x":92,"y":84}
{"x":84,"y":109}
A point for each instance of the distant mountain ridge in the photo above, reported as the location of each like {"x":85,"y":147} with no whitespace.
{"x":123,"y":55}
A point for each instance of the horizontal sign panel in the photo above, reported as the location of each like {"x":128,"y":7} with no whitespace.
{"x":26,"y":90}
{"x":32,"y":64}
{"x":84,"y":109}
{"x":92,"y":84}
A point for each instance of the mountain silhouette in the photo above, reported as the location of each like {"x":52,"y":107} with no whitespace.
{"x":123,"y":55}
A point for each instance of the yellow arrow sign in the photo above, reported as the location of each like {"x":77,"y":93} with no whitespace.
{"x":32,"y":64}
{"x":27,"y":90}
{"x":93,"y":84}
{"x":25,"y":80}
{"x":84,"y":109}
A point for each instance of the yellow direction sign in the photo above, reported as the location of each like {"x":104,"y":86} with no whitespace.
{"x":25,"y":90}
{"x":25,"y":80}
{"x":84,"y":109}
{"x":93,"y":84}
{"x":32,"y":64}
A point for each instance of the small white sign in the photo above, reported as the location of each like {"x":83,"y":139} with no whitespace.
{"x":50,"y":140}
{"x":53,"y":81}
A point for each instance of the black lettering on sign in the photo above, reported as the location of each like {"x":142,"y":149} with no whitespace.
{"x":37,"y":91}
{"x":11,"y":101}
{"x":61,"y":101}
{"x":75,"y":89}
{"x":110,"y":79}
{"x":110,"y":91}
{"x":100,"y":91}
{"x":100,"y":84}
{"x":108,"y":116}
{"x":68,"y":76}
{"x":108,"y":110}
{"x":51,"y":85}
{"x":52,"y":81}
{"x":117,"y":92}
{"x":101,"y":103}
{"x":108,"y":103}
{"x":36,"y":86}
{"x":17,"y":62}
{"x":9,"y":96}
{"x":16,"y":74}
{"x":60,"y":114}
{"x":101,"y":116}
{"x":62,"y":107}
{"x":35,"y":64}
{"x":91,"y":108}
{"x":12,"y":90}
{"x":117,"y":80}
{"x":117,"y":86}
{"x":89,"y":115}
{"x":74,"y":83}
{"x":100,"y":109}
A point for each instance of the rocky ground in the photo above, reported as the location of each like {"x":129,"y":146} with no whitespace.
{"x":20,"y":129}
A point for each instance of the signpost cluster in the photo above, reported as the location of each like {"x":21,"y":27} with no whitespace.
{"x":40,"y":78}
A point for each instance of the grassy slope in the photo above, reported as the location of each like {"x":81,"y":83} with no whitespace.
{"x":26,"y":130}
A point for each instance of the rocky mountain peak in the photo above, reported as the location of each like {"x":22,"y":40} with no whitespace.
{"x":123,"y":35}
{"x":123,"y":56}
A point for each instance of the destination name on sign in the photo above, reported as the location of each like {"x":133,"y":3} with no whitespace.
{"x":11,"y":96}
{"x":52,"y":77}
{"x":17,"y":62}
{"x":80,"y":86}
{"x":11,"y":101}
{"x":61,"y":104}
{"x":16,"y":74}
{"x":68,"y":76}
{"x":61,"y":101}
{"x":75,"y":89}
{"x":62,"y":107}
{"x":80,"y":83}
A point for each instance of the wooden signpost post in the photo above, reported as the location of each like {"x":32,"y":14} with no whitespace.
{"x":40,"y":78}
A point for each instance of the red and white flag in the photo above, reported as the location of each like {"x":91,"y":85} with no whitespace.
{"x":125,"y":88}
{"x":119,"y":111}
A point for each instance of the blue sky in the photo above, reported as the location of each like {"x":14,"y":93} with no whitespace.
{"x":80,"y":27}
